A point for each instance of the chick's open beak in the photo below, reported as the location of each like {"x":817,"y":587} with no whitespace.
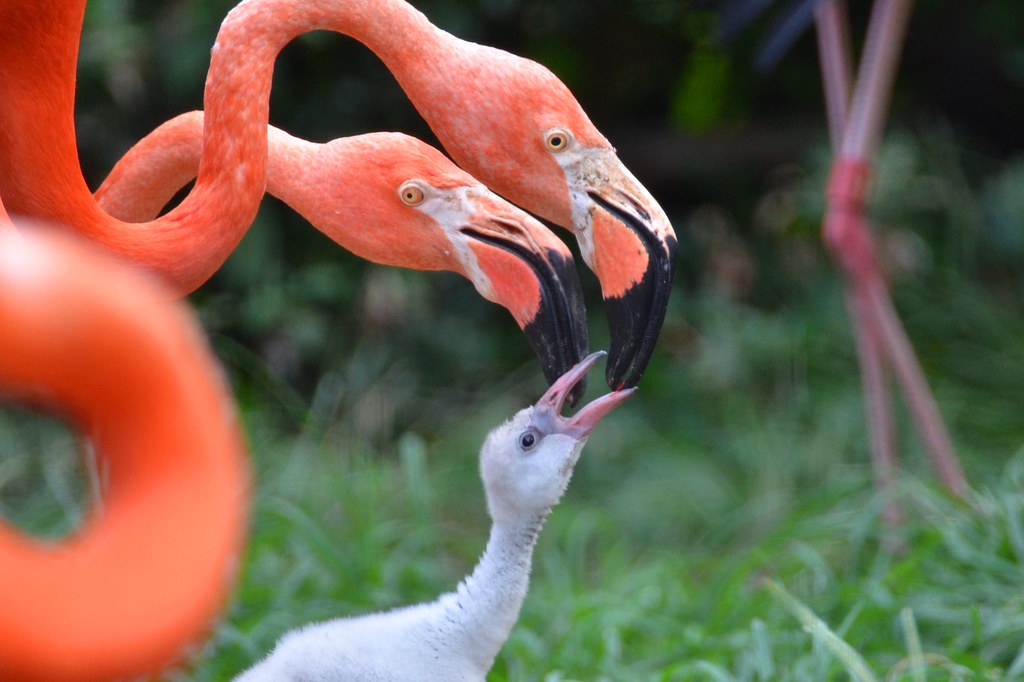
{"x":549,"y":408}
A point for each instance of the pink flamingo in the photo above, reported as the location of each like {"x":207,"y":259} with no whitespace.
{"x":505,"y":119}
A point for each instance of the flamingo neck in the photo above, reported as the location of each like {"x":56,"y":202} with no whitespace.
{"x":148,"y":176}
{"x":292,"y":173}
{"x":480,"y":614}
{"x":38,"y":152}
{"x":5,"y":220}
{"x":39,"y":172}
{"x":325,"y":183}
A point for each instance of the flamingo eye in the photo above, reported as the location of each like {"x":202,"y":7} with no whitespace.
{"x":411,"y":194}
{"x":557,"y":139}
{"x":527,"y":439}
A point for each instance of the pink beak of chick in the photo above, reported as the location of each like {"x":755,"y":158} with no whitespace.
{"x":548,"y":409}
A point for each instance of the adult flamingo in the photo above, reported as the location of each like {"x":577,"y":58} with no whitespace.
{"x":505,"y":119}
{"x":394,"y":200}
{"x":143,"y":577}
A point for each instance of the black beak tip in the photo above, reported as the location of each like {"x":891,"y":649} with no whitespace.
{"x":624,"y":371}
{"x":617,"y":380}
{"x":635,"y":319}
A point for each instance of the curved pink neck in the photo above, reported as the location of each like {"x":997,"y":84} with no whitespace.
{"x":148,"y":176}
{"x":39,"y":170}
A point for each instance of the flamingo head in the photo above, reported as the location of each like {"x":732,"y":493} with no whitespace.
{"x":526,"y":463}
{"x":423,"y":212}
{"x":526,"y":137}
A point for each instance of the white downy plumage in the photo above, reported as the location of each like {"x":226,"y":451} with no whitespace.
{"x":526,"y":464}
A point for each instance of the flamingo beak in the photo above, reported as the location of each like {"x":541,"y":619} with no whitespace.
{"x":548,"y":410}
{"x":628,"y":241}
{"x":532,"y":273}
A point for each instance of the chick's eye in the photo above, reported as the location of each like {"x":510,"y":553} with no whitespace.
{"x":556,"y":139}
{"x":411,"y":194}
{"x":527,"y":439}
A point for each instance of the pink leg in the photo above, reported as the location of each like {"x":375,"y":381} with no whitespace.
{"x":836,"y":57}
{"x":919,"y":397}
{"x":848,"y":237}
{"x":877,"y":405}
{"x":875,"y":77}
{"x":850,"y":240}
{"x":852,"y":243}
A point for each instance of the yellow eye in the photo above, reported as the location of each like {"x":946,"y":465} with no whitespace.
{"x":557,"y":139}
{"x":411,"y":194}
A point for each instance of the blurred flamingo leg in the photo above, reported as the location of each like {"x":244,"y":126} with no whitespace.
{"x":856,"y":129}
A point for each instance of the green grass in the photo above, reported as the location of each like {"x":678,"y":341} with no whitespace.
{"x":721,"y":526}
{"x":741,"y":460}
{"x":337,"y":535}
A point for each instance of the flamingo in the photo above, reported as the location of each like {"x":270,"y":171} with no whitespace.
{"x":856,"y":109}
{"x":526,"y":464}
{"x":143,"y":578}
{"x":394,"y":200}
{"x":505,"y":119}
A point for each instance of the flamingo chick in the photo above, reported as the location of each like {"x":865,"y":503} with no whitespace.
{"x":526,"y":464}
{"x":394,"y":200}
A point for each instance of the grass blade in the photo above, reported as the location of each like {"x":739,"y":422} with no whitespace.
{"x":855,"y":665}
